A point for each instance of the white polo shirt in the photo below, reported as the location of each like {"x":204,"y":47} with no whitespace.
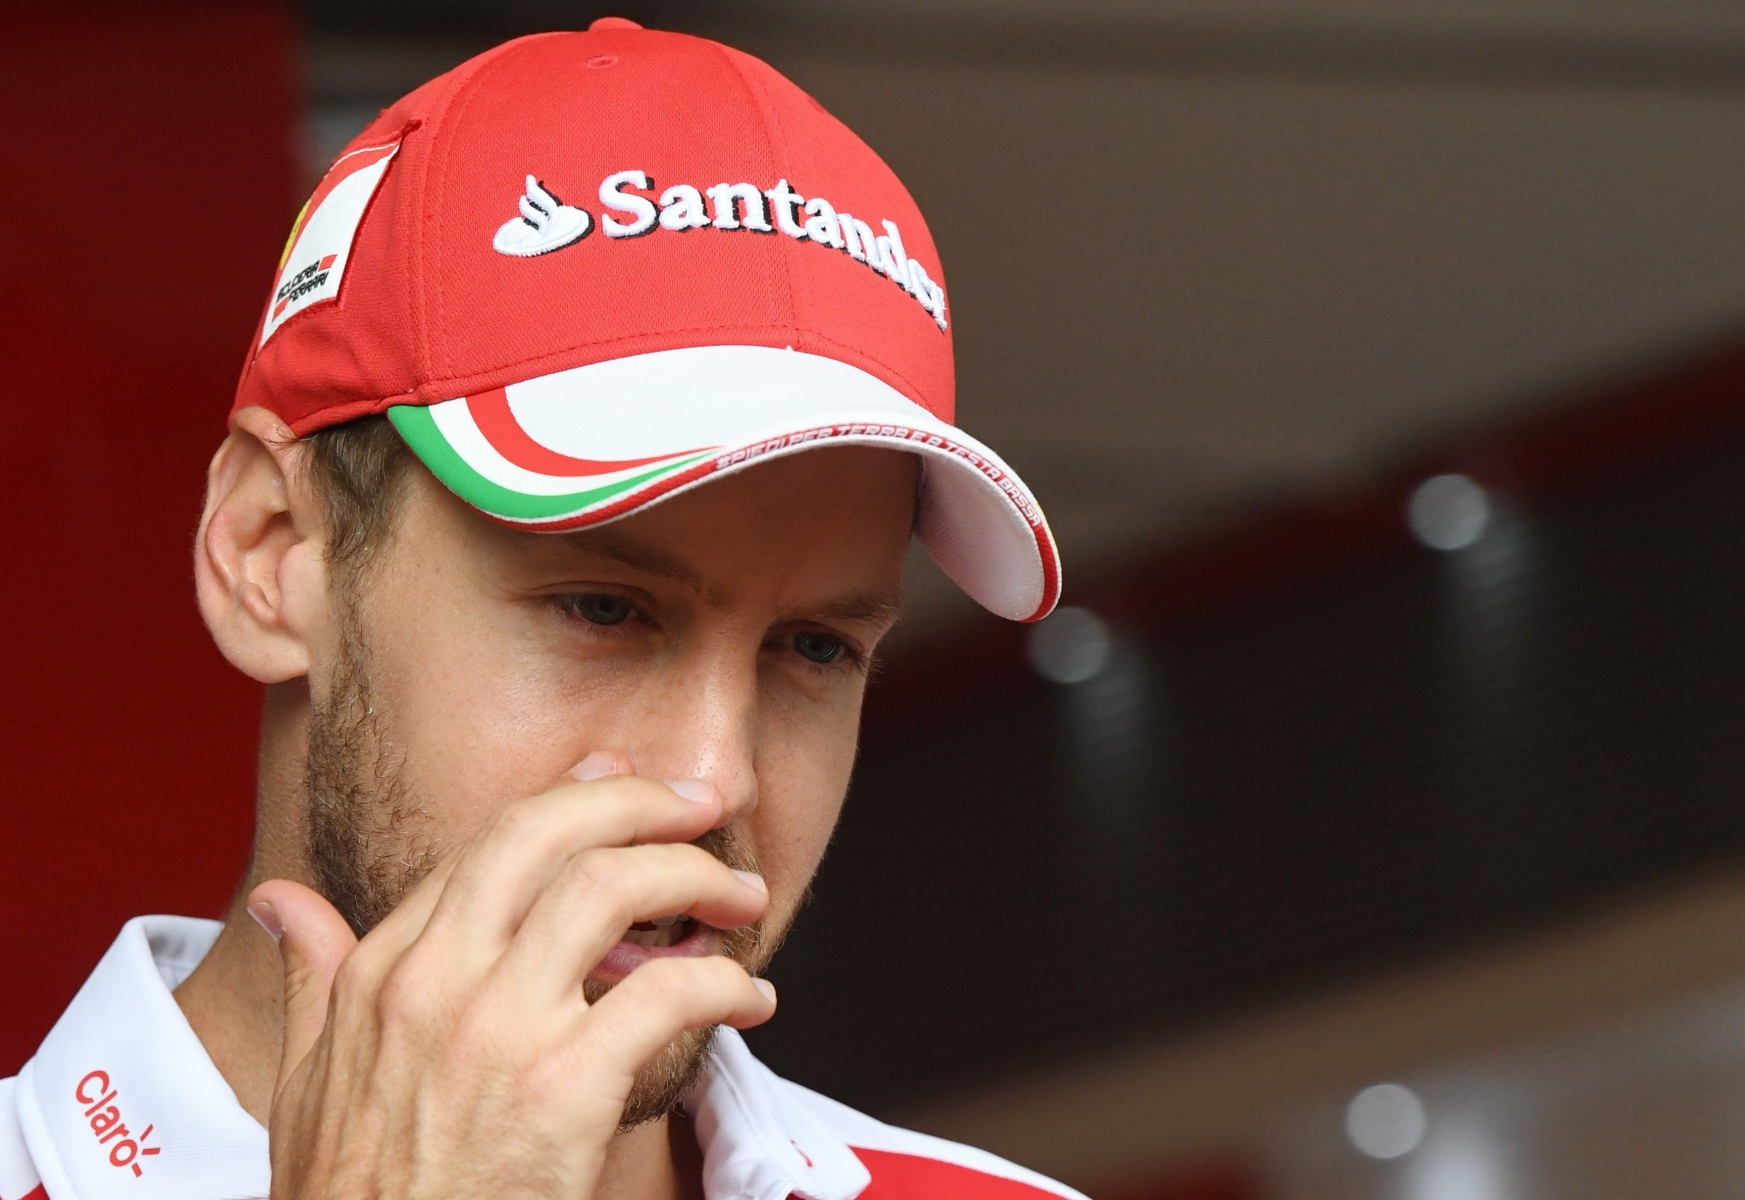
{"x":121,"y":1102}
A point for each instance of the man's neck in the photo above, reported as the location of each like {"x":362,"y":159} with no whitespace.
{"x":234,"y":1000}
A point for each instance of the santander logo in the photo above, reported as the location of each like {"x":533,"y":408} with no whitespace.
{"x":547,"y":223}
{"x":126,"y":1148}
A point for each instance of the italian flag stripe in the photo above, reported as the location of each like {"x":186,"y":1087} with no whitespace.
{"x":420,"y":431}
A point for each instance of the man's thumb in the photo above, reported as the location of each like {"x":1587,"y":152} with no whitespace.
{"x":313,"y":940}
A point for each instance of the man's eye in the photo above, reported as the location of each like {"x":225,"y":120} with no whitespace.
{"x":818,"y":647}
{"x":600,"y":608}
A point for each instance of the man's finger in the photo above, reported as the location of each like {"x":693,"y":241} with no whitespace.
{"x":602,"y":763}
{"x":597,"y":896}
{"x":313,"y":940}
{"x":663,"y":998}
{"x":382,"y":947}
{"x":525,"y":844}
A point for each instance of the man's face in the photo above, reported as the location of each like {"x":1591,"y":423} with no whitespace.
{"x":723,"y":635}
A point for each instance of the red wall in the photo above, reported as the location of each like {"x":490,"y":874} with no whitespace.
{"x":146,"y":189}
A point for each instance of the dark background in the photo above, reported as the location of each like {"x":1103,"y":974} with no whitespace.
{"x":1376,"y":753}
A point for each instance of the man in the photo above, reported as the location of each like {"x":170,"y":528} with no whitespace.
{"x":561,"y":535}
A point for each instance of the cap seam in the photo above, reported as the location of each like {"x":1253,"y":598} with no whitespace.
{"x":415,"y":256}
{"x":773,"y":132}
{"x":457,"y":103}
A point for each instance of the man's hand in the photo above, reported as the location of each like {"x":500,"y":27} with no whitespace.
{"x":451,"y":1051}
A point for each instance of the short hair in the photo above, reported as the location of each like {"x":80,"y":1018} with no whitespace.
{"x":357,"y":470}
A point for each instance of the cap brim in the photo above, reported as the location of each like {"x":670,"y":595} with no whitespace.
{"x":592,"y":444}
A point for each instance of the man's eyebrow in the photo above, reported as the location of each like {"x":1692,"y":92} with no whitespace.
{"x":622,"y":550}
{"x":879,"y":607}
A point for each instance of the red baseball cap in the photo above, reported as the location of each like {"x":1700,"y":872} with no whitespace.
{"x":584,"y":272}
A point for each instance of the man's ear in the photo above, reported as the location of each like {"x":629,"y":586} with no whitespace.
{"x":260,"y":571}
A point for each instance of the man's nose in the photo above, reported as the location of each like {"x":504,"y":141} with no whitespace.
{"x":704,"y":726}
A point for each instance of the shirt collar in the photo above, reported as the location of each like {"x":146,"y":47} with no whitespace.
{"x":759,"y":1142}
{"x":122,"y":1100}
{"x":122,"y":1082}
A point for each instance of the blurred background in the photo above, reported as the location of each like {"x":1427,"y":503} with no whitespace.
{"x":1368,"y":827}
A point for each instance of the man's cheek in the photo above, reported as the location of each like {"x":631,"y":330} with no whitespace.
{"x":791,"y":847}
{"x":474,"y":748}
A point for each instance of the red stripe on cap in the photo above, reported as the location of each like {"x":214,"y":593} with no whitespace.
{"x":1050,"y":575}
{"x":491,"y":413}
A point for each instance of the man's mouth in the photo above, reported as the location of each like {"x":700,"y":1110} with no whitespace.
{"x":665,"y":931}
{"x":682,"y":936}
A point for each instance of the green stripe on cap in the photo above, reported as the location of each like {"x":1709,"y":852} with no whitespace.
{"x":420,"y":432}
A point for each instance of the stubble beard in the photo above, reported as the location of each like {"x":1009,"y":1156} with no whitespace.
{"x":369,"y":841}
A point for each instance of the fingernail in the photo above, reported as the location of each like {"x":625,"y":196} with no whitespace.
{"x":267,"y":917}
{"x":753,"y":881}
{"x":767,"y":988}
{"x":597,"y":765}
{"x":693,"y":789}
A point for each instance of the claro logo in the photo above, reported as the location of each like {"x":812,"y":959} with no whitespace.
{"x":126,"y":1148}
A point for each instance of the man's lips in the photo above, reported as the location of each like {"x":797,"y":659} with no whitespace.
{"x":696,"y":941}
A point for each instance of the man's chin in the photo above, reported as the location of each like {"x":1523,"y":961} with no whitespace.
{"x":667,"y":1079}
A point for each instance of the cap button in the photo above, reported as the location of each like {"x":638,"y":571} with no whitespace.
{"x":604,"y":23}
